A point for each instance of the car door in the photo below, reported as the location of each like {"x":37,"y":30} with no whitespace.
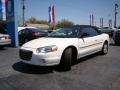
{"x":88,"y":41}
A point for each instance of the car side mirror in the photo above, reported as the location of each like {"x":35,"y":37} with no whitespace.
{"x":84,"y":35}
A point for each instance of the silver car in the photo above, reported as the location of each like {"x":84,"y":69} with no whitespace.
{"x":4,"y":40}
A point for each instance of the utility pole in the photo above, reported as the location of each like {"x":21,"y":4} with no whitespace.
{"x":116,"y":6}
{"x":23,"y":13}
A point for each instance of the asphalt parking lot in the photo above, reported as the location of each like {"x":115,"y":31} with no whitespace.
{"x":95,"y":72}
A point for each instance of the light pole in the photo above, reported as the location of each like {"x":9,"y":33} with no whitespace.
{"x":116,"y":6}
{"x":23,"y":13}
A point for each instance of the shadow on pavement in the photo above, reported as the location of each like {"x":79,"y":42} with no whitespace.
{"x":86,"y":58}
{"x":2,"y":48}
{"x":30,"y":69}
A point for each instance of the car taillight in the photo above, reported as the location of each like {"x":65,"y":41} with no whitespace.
{"x":35,"y":34}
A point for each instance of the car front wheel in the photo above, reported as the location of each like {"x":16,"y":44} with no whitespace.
{"x":66,"y":59}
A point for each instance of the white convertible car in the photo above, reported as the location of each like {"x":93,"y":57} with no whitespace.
{"x":64,"y":46}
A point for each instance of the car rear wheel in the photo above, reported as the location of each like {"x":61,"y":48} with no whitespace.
{"x":104,"y":49}
{"x":66,"y":59}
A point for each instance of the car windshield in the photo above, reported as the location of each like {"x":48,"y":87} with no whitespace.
{"x":64,"y":33}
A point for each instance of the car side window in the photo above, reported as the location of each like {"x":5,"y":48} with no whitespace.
{"x":27,"y":31}
{"x":75,"y":32}
{"x":88,"y":32}
{"x":21,"y":32}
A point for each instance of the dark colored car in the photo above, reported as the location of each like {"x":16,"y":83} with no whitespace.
{"x":28,"y":34}
{"x":116,"y":37}
{"x":107,"y":30}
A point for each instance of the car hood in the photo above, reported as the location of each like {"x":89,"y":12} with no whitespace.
{"x":41,"y":42}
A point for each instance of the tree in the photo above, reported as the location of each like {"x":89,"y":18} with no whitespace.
{"x":64,"y":23}
{"x":33,"y":20}
{"x":42,"y":22}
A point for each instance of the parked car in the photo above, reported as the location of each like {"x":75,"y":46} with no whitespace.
{"x":116,"y":37}
{"x":21,"y":28}
{"x":64,"y":46}
{"x":4,"y":40}
{"x":107,"y":30}
{"x":28,"y":34}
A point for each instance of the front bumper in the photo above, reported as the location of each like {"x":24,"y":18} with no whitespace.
{"x":42,"y":59}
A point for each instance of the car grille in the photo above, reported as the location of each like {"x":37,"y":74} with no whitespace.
{"x":25,"y":54}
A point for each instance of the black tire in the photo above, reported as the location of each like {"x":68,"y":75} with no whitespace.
{"x":104,"y":49}
{"x":66,"y":59}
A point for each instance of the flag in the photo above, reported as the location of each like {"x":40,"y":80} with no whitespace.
{"x":49,"y":11}
{"x":110,"y":23}
{"x":0,"y":9}
{"x":102,"y":22}
{"x":92,"y":20}
{"x":53,"y":16}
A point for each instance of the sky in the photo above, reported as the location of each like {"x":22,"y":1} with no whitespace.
{"x":77,"y":11}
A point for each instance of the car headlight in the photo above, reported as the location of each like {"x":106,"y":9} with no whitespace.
{"x":47,"y":49}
